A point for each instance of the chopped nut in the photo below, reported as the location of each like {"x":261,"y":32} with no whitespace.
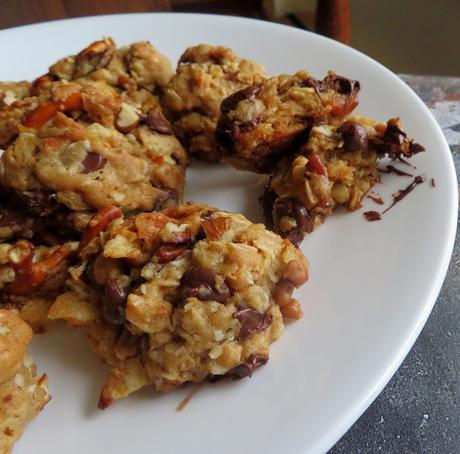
{"x":19,"y":380}
{"x":215,"y":228}
{"x":128,"y":118}
{"x":292,"y":310}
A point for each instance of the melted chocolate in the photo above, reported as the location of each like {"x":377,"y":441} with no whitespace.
{"x":233,"y":100}
{"x":251,"y":322}
{"x":403,"y":192}
{"x":372,"y":216}
{"x":404,"y":161}
{"x":433,"y":183}
{"x":247,"y":368}
{"x":114,"y":302}
{"x":158,"y":123}
{"x":292,"y":208}
{"x":340,"y":84}
{"x":92,"y":162}
{"x":354,"y":136}
{"x":399,"y":172}
{"x":200,"y":282}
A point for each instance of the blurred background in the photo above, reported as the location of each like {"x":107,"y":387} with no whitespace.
{"x":408,"y":36}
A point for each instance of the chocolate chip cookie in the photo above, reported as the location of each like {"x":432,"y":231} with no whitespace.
{"x":181,"y":295}
{"x":337,"y":166}
{"x":205,"y":76}
{"x":87,"y":148}
{"x":265,"y":121}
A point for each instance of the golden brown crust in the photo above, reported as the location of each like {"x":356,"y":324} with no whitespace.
{"x":92,"y":133}
{"x":203,"y":296}
{"x":87,"y":162}
{"x":137,"y":65}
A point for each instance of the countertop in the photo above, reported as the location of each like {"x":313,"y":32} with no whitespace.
{"x":419,"y":410}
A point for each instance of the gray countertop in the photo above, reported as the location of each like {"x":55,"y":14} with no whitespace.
{"x":419,"y":410}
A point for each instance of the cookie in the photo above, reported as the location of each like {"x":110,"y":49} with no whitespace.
{"x":80,"y":164}
{"x":139,"y":64}
{"x":22,"y":393}
{"x":263,"y":122}
{"x":205,"y":76}
{"x":182,"y":295}
{"x":337,"y":166}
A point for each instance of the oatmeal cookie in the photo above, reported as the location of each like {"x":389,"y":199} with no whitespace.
{"x":337,"y":166}
{"x":205,"y":76}
{"x":260,"y":123}
{"x":22,"y":393}
{"x":138,"y":65}
{"x":83,"y":145}
{"x":110,"y":86}
{"x":79,"y":165}
{"x":181,"y":295}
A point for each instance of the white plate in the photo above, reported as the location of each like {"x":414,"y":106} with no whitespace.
{"x":371,"y":289}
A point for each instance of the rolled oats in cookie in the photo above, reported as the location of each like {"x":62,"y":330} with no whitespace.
{"x":85,"y":163}
{"x":263,"y":122}
{"x":185,"y":294}
{"x":10,"y":92}
{"x":338,"y":165}
{"x":23,"y":394}
{"x":99,"y":134}
{"x":138,"y":65}
{"x":205,"y":76}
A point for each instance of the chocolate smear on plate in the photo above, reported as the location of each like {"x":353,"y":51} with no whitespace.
{"x":396,"y":171}
{"x":403,"y":192}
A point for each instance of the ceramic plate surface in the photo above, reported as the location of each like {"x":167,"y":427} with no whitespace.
{"x":371,"y":288}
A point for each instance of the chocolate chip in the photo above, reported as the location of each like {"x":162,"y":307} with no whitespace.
{"x":9,"y":218}
{"x":233,"y":100}
{"x":200,"y":282}
{"x":292,"y":208}
{"x":251,"y":322}
{"x":92,"y":162}
{"x":157,"y":122}
{"x":247,"y":368}
{"x":39,"y":202}
{"x":114,"y":302}
{"x":395,"y":143}
{"x":340,"y":84}
{"x":394,"y":134}
{"x":354,"y":136}
{"x":415,"y":148}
